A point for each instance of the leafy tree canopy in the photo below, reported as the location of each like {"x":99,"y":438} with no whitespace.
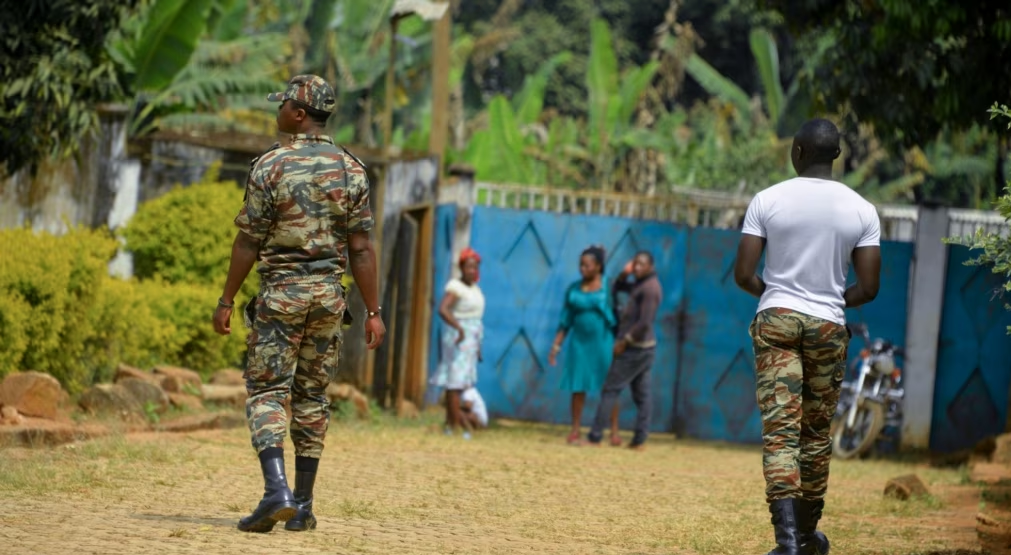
{"x":55,"y":69}
{"x":909,"y":67}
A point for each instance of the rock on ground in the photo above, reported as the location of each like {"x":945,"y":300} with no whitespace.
{"x":33,"y":394}
{"x":124,"y":371}
{"x":232,"y":395}
{"x":347,"y":392}
{"x":407,"y":409}
{"x":11,"y":417}
{"x":146,"y":392}
{"x":185,"y":401}
{"x":203,"y":422}
{"x":1002,"y":449}
{"x":39,"y":432}
{"x":905,"y":487}
{"x":175,"y":379}
{"x":228,"y":376}
{"x":110,"y":399}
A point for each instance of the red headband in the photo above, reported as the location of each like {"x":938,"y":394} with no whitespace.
{"x":469,"y":253}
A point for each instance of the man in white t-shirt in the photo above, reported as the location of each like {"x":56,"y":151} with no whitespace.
{"x":810,"y":228}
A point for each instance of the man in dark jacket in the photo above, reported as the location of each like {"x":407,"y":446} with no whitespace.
{"x":634,"y":349}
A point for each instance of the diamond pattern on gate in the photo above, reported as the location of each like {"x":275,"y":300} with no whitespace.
{"x":527,"y":264}
{"x":972,"y":407}
{"x":519,"y":369}
{"x":977,"y":295}
{"x":735,"y":393}
{"x":623,"y":251}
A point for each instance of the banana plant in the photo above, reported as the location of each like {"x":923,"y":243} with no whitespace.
{"x":780,"y":106}
{"x":566,"y":151}
{"x":502,"y":151}
{"x":613,"y":100}
{"x":189,"y":81}
{"x":223,"y":87}
{"x":350,"y":46}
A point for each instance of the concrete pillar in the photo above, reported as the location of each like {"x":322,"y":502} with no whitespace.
{"x":924,"y":325}
{"x":460,"y":190}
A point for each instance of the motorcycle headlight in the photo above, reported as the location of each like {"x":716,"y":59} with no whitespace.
{"x":884,"y":365}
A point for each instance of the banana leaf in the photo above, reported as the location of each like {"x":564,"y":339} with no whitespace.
{"x":169,"y":39}
{"x":763,"y":47}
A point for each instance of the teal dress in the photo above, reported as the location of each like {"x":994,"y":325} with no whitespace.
{"x":589,"y":320}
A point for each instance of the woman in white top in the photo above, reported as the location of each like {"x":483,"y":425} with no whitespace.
{"x":462,"y":309}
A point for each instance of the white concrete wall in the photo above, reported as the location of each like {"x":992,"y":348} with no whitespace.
{"x":924,"y":325}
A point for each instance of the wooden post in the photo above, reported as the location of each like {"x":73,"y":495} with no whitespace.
{"x":440,"y":87}
{"x":390,"y":85}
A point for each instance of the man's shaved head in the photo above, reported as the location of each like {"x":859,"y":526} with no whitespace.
{"x":816,"y":144}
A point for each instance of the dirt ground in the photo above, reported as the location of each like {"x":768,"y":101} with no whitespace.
{"x":391,"y":488}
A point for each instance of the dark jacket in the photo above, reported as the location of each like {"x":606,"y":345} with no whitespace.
{"x":635,"y":324}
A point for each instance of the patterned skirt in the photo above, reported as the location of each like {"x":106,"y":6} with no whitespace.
{"x":458,"y":364}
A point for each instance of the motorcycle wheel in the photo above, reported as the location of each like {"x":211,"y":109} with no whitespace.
{"x":850,"y":443}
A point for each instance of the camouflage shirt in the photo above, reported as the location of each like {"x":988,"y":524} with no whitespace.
{"x":303,"y":200}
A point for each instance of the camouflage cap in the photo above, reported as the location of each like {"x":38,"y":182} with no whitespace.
{"x":310,"y":90}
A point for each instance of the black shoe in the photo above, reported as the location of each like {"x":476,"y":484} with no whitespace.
{"x":808,"y":515}
{"x":784,"y":519}
{"x":277,"y":504}
{"x":303,"y":519}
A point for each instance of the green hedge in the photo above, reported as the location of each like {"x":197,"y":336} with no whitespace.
{"x":61,"y":312}
{"x":186,"y":235}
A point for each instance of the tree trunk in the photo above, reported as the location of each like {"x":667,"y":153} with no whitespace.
{"x":363,"y":126}
{"x":457,"y":118}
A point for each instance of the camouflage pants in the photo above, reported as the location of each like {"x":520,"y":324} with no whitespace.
{"x":296,"y":337}
{"x":799,"y":362}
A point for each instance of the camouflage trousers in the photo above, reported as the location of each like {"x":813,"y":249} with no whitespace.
{"x":799,"y":362}
{"x":294,"y":341}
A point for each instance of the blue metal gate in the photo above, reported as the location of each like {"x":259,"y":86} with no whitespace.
{"x":442,"y":263}
{"x":703,"y":382}
{"x":974,"y":357}
{"x":529,"y":258}
{"x":716,"y":392}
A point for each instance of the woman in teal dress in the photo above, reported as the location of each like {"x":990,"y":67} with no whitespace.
{"x":588,"y":320}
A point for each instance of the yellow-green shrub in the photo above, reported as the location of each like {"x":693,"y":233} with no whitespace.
{"x":185,"y":236}
{"x":14,"y":312}
{"x":50,"y":288}
{"x":127,"y":330}
{"x":185,"y":311}
{"x":61,"y":313}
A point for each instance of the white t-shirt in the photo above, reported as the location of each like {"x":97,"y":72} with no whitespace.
{"x":469,"y":299}
{"x":811,"y":227}
{"x":470,"y":395}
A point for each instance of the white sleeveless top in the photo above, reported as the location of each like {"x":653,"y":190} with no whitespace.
{"x":469,"y":300}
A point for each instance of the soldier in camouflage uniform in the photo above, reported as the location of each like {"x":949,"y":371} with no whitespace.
{"x":306,"y":204}
{"x":811,"y":228}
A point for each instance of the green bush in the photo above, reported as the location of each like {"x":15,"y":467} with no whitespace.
{"x":186,"y":235}
{"x":50,"y":288}
{"x":61,"y":313}
{"x":14,"y":312}
{"x":996,"y":248}
{"x":127,"y":330}
{"x":185,"y":312}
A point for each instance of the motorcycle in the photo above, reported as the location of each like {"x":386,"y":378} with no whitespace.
{"x":872,"y":402}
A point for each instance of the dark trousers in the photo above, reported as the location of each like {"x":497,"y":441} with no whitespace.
{"x":631,"y":368}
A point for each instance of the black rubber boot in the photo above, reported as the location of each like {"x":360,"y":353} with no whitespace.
{"x":278,"y":504}
{"x":784,"y":519}
{"x":303,"y":519}
{"x":808,"y":515}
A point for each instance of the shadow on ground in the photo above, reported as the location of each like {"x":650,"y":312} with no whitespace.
{"x":221,"y":522}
